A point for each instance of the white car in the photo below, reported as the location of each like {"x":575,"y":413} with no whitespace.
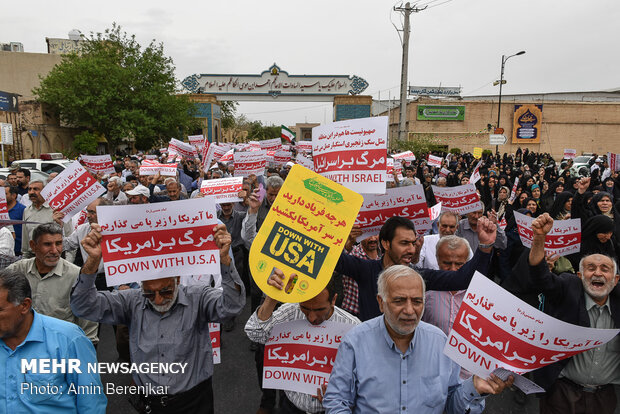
{"x":34,"y":174}
{"x":48,"y":163}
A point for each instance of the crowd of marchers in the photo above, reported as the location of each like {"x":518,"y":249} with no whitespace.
{"x":401,"y":291}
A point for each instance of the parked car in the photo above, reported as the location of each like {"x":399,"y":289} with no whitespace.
{"x":580,"y":166}
{"x":48,"y":163}
{"x":34,"y":174}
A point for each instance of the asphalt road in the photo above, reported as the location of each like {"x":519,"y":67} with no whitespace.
{"x":235,"y":383}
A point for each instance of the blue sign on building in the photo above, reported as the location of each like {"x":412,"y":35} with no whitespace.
{"x":8,"y":102}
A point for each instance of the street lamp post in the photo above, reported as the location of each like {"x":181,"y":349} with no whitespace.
{"x":501,"y":82}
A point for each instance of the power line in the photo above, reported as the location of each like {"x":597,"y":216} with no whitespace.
{"x":439,"y":4}
{"x":477,"y":89}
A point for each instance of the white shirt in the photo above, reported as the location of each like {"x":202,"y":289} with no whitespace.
{"x":428,"y":254}
{"x":7,"y":242}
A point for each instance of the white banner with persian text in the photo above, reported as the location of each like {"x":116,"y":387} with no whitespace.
{"x":153,"y":241}
{"x":72,"y":190}
{"x":300,"y":356}
{"x":353,"y":153}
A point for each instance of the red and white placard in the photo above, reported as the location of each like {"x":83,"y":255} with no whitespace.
{"x":271,"y":144}
{"x":495,"y":329}
{"x":197,"y":140}
{"x":250,"y":162}
{"x":614,"y":161}
{"x":229,"y":156}
{"x":394,"y":166}
{"x":214,"y":333}
{"x":72,"y":190}
{"x":223,"y":190}
{"x":180,"y":148}
{"x":281,"y":157}
{"x":563,"y":239}
{"x":570,"y":153}
{"x":475,"y":176}
{"x":405,"y":156}
{"x":4,"y":209}
{"x":306,"y":162}
{"x":300,"y":356}
{"x":150,"y":167}
{"x":513,"y":192}
{"x":353,"y":153}
{"x":434,"y":211}
{"x":408,"y":202}
{"x":461,"y":199}
{"x":153,"y":241}
{"x":304,"y":146}
{"x":434,"y":161}
{"x":98,"y":163}
{"x":444,"y":172}
{"x":214,"y":153}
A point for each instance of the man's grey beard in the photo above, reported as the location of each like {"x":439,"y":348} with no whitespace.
{"x":166,"y":307}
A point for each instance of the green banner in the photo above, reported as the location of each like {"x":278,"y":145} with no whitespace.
{"x":441,"y":113}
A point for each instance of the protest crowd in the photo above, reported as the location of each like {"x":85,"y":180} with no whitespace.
{"x":533,"y":225}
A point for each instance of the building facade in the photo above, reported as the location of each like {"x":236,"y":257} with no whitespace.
{"x":586,"y":121}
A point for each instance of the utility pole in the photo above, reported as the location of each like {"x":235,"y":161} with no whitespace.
{"x":402,"y":122}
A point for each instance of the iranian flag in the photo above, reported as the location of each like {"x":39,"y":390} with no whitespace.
{"x":287,"y":134}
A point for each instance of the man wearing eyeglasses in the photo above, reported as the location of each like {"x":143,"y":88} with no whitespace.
{"x":168,"y":323}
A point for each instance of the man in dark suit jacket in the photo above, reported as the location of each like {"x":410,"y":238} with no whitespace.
{"x":584,"y":382}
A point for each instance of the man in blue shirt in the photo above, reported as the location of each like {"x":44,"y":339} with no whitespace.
{"x":16,"y":212}
{"x":394,"y":363}
{"x":29,"y":339}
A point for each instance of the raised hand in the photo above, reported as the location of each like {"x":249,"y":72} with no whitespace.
{"x":583,"y":184}
{"x":223,"y":240}
{"x":487,"y":231}
{"x":542,"y":225}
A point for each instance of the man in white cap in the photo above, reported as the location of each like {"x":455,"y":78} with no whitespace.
{"x":139,"y":195}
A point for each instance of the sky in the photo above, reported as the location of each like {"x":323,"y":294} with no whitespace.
{"x":570,"y":45}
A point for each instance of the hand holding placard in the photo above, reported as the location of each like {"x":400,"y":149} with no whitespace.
{"x":92,"y":246}
{"x":223,"y":241}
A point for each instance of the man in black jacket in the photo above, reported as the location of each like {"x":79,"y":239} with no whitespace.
{"x":400,"y":245}
{"x":584,"y":382}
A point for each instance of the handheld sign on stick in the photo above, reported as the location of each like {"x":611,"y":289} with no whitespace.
{"x":303,"y":234}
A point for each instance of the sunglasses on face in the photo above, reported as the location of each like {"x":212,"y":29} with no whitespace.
{"x":164,"y":293}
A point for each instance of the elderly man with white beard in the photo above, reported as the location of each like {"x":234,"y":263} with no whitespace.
{"x":585,"y":382}
{"x":394,"y":363}
{"x":168,"y":323}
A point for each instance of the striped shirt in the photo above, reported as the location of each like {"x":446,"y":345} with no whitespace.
{"x":259,"y":331}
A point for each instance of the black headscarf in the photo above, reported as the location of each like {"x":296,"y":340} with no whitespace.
{"x":590,"y":244}
{"x":596,"y":198}
{"x":558,"y":205}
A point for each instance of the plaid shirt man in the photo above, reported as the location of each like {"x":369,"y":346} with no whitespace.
{"x":350,"y":301}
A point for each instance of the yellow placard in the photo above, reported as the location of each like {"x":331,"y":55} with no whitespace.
{"x":303,"y":234}
{"x":477,"y":152}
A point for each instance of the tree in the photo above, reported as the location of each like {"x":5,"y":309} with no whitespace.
{"x":421,"y":144}
{"x":229,"y":111}
{"x":120,"y":90}
{"x":258,"y":131}
{"x":84,"y":143}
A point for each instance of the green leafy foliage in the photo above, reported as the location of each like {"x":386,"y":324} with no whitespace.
{"x":257,"y":131}
{"x":421,"y":144}
{"x":119,"y":89}
{"x":229,"y":112}
{"x":85,"y":143}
